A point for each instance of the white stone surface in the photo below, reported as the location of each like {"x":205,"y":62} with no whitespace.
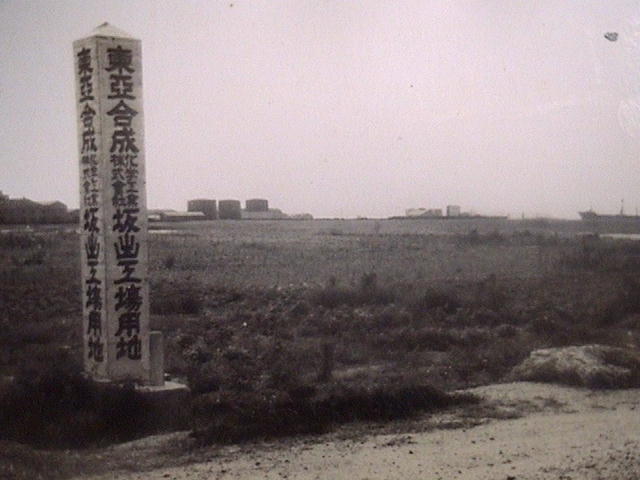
{"x":108,"y":70}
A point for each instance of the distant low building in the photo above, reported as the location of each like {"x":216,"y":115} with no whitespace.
{"x":155,"y":215}
{"x":301,"y":216}
{"x":415,"y":212}
{"x":423,"y":212}
{"x":271,"y":214}
{"x":453,"y":211}
{"x":173,"y":216}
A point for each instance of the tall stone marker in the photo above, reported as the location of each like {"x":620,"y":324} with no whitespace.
{"x":113,"y":210}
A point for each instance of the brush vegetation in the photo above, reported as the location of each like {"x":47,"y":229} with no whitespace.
{"x":294,"y":327}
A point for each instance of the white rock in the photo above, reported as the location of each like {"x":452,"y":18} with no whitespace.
{"x":593,"y":366}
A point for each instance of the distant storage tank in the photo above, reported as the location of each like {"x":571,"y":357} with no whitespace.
{"x":206,"y":206}
{"x":453,"y":210}
{"x":229,"y":210}
{"x":257,"y":205}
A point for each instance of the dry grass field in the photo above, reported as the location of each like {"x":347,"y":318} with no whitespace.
{"x":290,"y":327}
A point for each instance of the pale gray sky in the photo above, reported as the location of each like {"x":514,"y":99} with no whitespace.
{"x":344,"y":108}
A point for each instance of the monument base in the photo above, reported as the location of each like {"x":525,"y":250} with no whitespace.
{"x":167,"y":407}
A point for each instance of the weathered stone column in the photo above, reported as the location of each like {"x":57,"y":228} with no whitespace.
{"x":113,"y":210}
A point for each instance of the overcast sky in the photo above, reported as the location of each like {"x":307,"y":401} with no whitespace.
{"x":344,"y":108}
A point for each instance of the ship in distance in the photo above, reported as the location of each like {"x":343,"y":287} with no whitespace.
{"x":592,"y":216}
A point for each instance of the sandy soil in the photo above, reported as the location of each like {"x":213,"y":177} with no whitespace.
{"x":531,"y":431}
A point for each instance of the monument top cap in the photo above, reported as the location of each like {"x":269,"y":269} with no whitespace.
{"x":107,"y":30}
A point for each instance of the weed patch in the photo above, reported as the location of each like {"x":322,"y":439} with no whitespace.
{"x":308,"y":410}
{"x":434,"y":298}
{"x":184,"y":299}
{"x":14,"y":240}
{"x":367,"y":293}
{"x":245,"y":319}
{"x":67,"y":411}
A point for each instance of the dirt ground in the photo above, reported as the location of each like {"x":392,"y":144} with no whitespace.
{"x":523,"y":431}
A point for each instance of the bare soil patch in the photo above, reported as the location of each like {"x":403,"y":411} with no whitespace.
{"x":523,"y":431}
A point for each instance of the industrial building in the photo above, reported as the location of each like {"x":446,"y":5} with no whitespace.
{"x":207,"y":206}
{"x":415,"y":212}
{"x":423,"y":212}
{"x":257,"y":205}
{"x":173,"y":216}
{"x":270,"y":214}
{"x":255,"y":209}
{"x":229,"y":210}
{"x":301,"y":216}
{"x":453,"y":211}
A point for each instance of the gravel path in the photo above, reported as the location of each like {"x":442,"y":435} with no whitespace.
{"x":563,"y":434}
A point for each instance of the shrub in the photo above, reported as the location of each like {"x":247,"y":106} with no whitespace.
{"x":36,"y":257}
{"x":19,"y":461}
{"x":421,"y":339}
{"x":65,"y":410}
{"x":506,"y":331}
{"x":21,"y":240}
{"x":169,"y":262}
{"x":187,"y":301}
{"x":490,"y":294}
{"x":471,"y":238}
{"x":437,"y":299}
{"x":226,"y":419}
{"x":625,"y":302}
{"x":205,"y":379}
{"x":367,"y":293}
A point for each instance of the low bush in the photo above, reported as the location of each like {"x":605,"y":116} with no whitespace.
{"x":169,"y":262}
{"x":307,"y":410}
{"x":367,"y":293}
{"x":419,"y":339}
{"x":35,"y":257}
{"x":17,"y":240}
{"x":63,"y":410}
{"x":183,"y":300}
{"x":596,"y":254}
{"x":434,"y":298}
{"x":473,"y":238}
{"x":19,"y":461}
{"x":625,"y":302}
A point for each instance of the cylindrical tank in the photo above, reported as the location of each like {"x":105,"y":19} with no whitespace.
{"x":229,"y":210}
{"x":206,"y":206}
{"x":257,"y":205}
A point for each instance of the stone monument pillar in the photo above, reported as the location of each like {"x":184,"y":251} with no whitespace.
{"x":113,"y":210}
